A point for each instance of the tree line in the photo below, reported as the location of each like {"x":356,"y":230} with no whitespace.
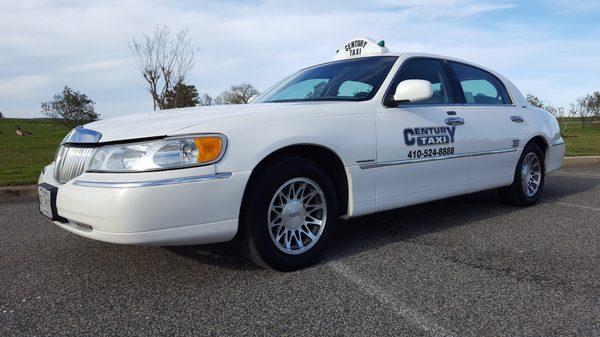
{"x":586,"y":108}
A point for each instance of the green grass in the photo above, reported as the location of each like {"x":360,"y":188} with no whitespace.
{"x":582,"y":141}
{"x":22,"y":158}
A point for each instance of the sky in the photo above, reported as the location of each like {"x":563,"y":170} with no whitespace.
{"x":549,"y":48}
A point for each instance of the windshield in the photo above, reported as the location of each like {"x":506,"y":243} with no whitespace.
{"x":348,"y":80}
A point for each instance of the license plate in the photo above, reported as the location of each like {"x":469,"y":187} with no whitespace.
{"x":47,"y":195}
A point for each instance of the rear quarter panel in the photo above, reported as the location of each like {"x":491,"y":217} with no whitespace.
{"x":545,"y":125}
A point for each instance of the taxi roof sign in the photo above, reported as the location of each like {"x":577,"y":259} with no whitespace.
{"x":362,"y":46}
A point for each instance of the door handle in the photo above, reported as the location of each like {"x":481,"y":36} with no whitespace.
{"x":454,"y":121}
{"x":517,"y":119}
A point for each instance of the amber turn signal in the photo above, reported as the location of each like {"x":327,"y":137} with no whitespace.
{"x":209,"y":148}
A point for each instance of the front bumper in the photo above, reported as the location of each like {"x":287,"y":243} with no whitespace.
{"x":179,"y":207}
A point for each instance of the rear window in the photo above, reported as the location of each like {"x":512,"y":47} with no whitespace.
{"x":479,"y":86}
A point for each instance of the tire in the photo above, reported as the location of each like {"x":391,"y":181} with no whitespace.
{"x":530,"y":168}
{"x":281,"y":212}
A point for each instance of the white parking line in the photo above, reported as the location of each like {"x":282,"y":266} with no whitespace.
{"x":412,"y":316}
{"x":575,"y":205}
{"x":575,"y":174}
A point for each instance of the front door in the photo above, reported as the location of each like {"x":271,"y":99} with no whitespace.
{"x":422,"y":147}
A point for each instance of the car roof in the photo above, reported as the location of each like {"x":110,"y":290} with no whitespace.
{"x":407,"y":55}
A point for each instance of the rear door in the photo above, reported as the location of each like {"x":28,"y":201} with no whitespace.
{"x":495,"y":126}
{"x":422,"y":147}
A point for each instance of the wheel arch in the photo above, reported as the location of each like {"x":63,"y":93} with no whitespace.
{"x":325,"y":157}
{"x":540,"y":141}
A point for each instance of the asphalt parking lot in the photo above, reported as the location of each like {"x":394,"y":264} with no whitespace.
{"x":462,"y":266}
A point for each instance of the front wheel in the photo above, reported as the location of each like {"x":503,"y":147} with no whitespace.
{"x":289,"y":214}
{"x":528,"y":182}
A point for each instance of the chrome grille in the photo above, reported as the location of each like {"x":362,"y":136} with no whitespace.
{"x":71,"y":162}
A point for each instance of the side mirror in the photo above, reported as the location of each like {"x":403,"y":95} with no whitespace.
{"x":412,"y":91}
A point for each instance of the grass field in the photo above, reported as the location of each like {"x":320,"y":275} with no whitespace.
{"x":22,"y":158}
{"x":582,"y":141}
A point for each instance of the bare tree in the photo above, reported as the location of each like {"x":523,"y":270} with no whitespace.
{"x":535,"y":101}
{"x":582,"y":111}
{"x":238,"y":94}
{"x":207,"y":100}
{"x":164,"y":63}
{"x":587,"y":108}
{"x":556,"y":111}
{"x":593,"y":104}
{"x":576,"y":110}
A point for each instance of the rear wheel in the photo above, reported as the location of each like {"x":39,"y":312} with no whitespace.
{"x":289,"y":214}
{"x":528,"y":182}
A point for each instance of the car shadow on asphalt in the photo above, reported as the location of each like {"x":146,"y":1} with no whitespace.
{"x":409,"y":223}
{"x":403,"y":224}
{"x":371,"y":231}
{"x":222,"y":255}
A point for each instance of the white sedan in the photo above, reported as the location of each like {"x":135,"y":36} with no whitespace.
{"x":368,"y":132}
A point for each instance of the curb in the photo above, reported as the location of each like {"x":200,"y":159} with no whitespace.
{"x":18,"y":193}
{"x":581,"y":160}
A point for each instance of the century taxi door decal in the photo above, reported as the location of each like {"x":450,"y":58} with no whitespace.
{"x":428,"y":136}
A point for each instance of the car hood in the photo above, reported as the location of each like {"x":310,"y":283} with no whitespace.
{"x":169,"y":122}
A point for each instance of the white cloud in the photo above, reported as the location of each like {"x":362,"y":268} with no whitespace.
{"x":104,"y":65}
{"x":20,"y":87}
{"x":47,"y":44}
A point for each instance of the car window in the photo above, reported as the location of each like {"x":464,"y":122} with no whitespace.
{"x":303,"y":89}
{"x":347,"y":80}
{"x":354,"y":89}
{"x":479,"y":86}
{"x":430,"y":70}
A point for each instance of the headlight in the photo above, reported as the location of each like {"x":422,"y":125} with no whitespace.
{"x":168,"y":153}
